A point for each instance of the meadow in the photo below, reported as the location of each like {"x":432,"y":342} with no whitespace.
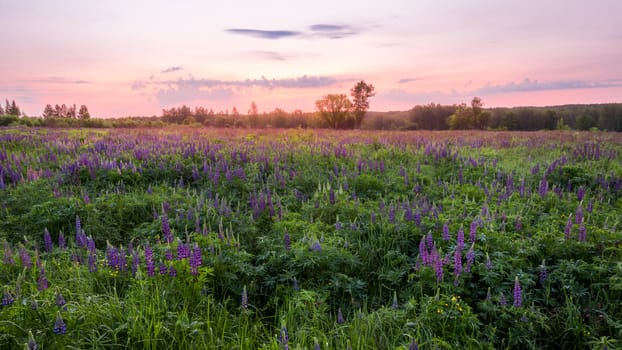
{"x":197,"y":238}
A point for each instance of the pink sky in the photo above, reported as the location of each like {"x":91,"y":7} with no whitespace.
{"x":125,"y":58}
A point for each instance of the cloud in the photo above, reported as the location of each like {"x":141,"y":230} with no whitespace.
{"x":270,"y":55}
{"x":60,"y":80}
{"x":321,"y":30}
{"x":407,"y":80}
{"x":332,"y":31}
{"x":185,"y":93}
{"x":301,"y":82}
{"x":534,"y":85}
{"x":139,"y":85}
{"x":171,"y":69}
{"x":263,"y":34}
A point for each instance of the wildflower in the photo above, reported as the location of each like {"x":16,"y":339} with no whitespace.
{"x":517,"y":293}
{"x":284,"y":336}
{"x":446,"y":236}
{"x":79,"y":241}
{"x":413,"y":345}
{"x":42,"y":281}
{"x":567,"y":229}
{"x":92,"y":262}
{"x":488,"y":262}
{"x":542,"y":275}
{"x":166,"y":228}
{"x":543,"y":189}
{"x":438,"y":269}
{"x":122,"y":260}
{"x":473,"y":231}
{"x":582,"y":233}
{"x":32,"y":344}
{"x":135,"y":262}
{"x":112,"y":257}
{"x":423,"y":253}
{"x":59,"y":326}
{"x":25,"y":257}
{"x":60,"y":300}
{"x":460,"y":239}
{"x":182,"y":250}
{"x":172,"y":271}
{"x":331,"y":196}
{"x":162,"y":268}
{"x":579,"y":215}
{"x":502,"y":300}
{"x":340,"y":319}
{"x":317,"y":345}
{"x":287,"y":241}
{"x":62,"y":244}
{"x":316,"y":247}
{"x":518,"y":224}
{"x":8,"y":255}
{"x":195,"y":260}
{"x":7,"y":298}
{"x":470,"y":257}
{"x":244,"y":299}
{"x":149,"y":260}
{"x":47,"y":240}
{"x":457,"y":263}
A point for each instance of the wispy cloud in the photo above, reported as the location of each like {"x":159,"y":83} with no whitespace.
{"x":60,"y":80}
{"x":270,"y":55}
{"x":301,"y":82}
{"x":171,"y":69}
{"x":263,"y":34}
{"x":535,"y":85}
{"x":322,"y":30}
{"x":407,"y":80}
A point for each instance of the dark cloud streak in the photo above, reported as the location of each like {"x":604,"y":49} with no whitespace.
{"x":533,"y":85}
{"x":171,"y":69}
{"x":264,"y":34}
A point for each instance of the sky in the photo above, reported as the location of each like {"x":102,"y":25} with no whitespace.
{"x":134,"y":58}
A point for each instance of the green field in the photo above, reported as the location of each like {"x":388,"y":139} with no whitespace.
{"x":193,"y":238}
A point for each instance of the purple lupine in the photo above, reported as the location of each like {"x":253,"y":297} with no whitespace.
{"x":7,"y":298}
{"x":122,"y":260}
{"x":542,"y":274}
{"x":438,"y":269}
{"x":135,"y":262}
{"x":502,"y":300}
{"x":470,"y":259}
{"x":183,"y":251}
{"x":460,"y":239}
{"x":473,"y":231}
{"x":168,"y":254}
{"x":413,"y":345}
{"x":80,"y":241}
{"x":568,"y":228}
{"x":59,"y":325}
{"x":582,"y":233}
{"x":518,"y":294}
{"x":543,"y":189}
{"x":112,"y":257}
{"x":42,"y":280}
{"x":32,"y":343}
{"x":488,"y":262}
{"x":316,"y":346}
{"x":457,"y":263}
{"x":60,"y":300}
{"x":316,"y":247}
{"x":24,"y":257}
{"x":340,"y":319}
{"x":92,"y":262}
{"x":62,"y":244}
{"x":195,"y":260}
{"x":331,"y":196}
{"x":8,"y":255}
{"x":579,"y":215}
{"x":518,"y":224}
{"x":446,"y":236}
{"x":284,"y":336}
{"x":90,"y":244}
{"x":423,"y":252}
{"x":166,"y":228}
{"x":244,"y":299}
{"x":149,"y":260}
{"x":162,"y":268}
{"x":287,"y":241}
{"x":47,"y":240}
{"x":590,"y":206}
{"x":172,"y":271}
{"x":580,"y":193}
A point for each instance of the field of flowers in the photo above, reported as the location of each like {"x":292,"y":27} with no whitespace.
{"x":301,"y":239}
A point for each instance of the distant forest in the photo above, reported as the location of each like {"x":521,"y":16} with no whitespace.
{"x":422,"y":117}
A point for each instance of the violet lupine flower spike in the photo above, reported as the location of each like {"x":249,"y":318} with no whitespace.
{"x":518,"y":294}
{"x":340,"y":319}
{"x":149,"y":260}
{"x":8,"y":255}
{"x":47,"y":240}
{"x":60,"y":327}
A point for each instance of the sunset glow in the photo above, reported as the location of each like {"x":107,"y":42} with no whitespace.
{"x":135,"y":58}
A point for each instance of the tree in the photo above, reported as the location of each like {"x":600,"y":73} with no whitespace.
{"x":49,"y":112}
{"x":1,"y":110}
{"x":334,"y":109}
{"x":12,"y":108}
{"x":361,"y":92}
{"x":83,"y":113}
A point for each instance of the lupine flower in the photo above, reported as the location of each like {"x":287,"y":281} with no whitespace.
{"x":590,"y":206}
{"x":195,"y":260}
{"x":518,"y":224}
{"x":582,"y":233}
{"x":470,"y":259}
{"x":542,"y":275}
{"x":90,"y":244}
{"x":438,"y":269}
{"x":59,"y":326}
{"x":284,"y":336}
{"x":7,"y":298}
{"x":543,"y":189}
{"x":25,"y":257}
{"x":331,"y":196}
{"x":579,"y":215}
{"x":580,"y":193}
{"x":423,"y":253}
{"x":47,"y":240}
{"x":32,"y":343}
{"x":460,"y":239}
{"x":168,"y":254}
{"x":162,"y":268}
{"x":112,"y":257}
{"x":340,"y":319}
{"x":457,"y":263}
{"x":42,"y":281}
{"x":316,"y":247}
{"x":244,"y":299}
{"x":317,"y":345}
{"x":172,"y":271}
{"x":149,"y":260}
{"x":488,"y":262}
{"x":122,"y":260}
{"x":287,"y":241}
{"x":518,"y":294}
{"x":62,"y":244}
{"x":60,"y":300}
{"x":80,"y":242}
{"x":446,"y":236}
{"x":166,"y":229}
{"x":8,"y":255}
{"x":568,"y":229}
{"x":92,"y":262}
{"x":182,"y":250}
{"x":413,"y":345}
{"x":135,"y":262}
{"x":473,"y":231}
{"x":502,"y":300}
